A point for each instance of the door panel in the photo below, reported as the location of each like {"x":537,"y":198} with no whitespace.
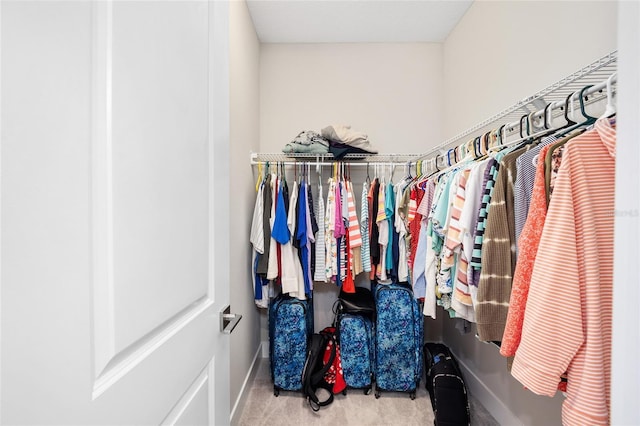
{"x":114,"y":135}
{"x":159,"y":163}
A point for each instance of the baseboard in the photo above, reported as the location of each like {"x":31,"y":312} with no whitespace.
{"x":236,"y":412}
{"x":487,"y":398}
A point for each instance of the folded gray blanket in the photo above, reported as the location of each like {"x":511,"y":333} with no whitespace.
{"x":344,"y":135}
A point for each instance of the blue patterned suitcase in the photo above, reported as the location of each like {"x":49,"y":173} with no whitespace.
{"x":399,"y":337}
{"x":357,"y":350}
{"x":290,"y":328}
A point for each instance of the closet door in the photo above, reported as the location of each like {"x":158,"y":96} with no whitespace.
{"x":114,"y":148}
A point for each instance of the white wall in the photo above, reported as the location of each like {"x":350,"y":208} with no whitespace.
{"x":499,"y":53}
{"x":504,"y":51}
{"x":392,"y":92}
{"x":244,"y":129}
{"x":625,"y":376}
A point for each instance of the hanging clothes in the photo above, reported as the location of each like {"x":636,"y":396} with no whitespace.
{"x":383,"y":234}
{"x":365,"y":252}
{"x":375,"y":230}
{"x":523,"y":186}
{"x":263,"y":263}
{"x":273,"y":270}
{"x":304,"y":238}
{"x":292,"y":222}
{"x":260,"y":283}
{"x":355,"y":236}
{"x":578,"y":240}
{"x":529,"y":242}
{"x":331,"y":264}
{"x":498,"y":254}
{"x":320,"y":273}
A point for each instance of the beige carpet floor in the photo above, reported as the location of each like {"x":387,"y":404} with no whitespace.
{"x":353,"y":409}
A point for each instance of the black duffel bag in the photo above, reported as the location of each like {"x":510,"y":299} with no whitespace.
{"x":359,"y":303}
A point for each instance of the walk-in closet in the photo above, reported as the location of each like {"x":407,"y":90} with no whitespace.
{"x":422,"y":183}
{"x":483,"y":83}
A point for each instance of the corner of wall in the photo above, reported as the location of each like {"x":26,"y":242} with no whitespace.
{"x":241,"y":400}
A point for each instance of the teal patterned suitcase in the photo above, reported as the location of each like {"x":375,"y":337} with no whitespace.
{"x":290,"y":328}
{"x":357,"y":350}
{"x":399,"y":337}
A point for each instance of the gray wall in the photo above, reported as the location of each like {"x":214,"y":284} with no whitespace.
{"x":244,"y":135}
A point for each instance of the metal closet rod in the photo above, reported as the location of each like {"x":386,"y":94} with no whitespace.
{"x":312,"y":162}
{"x":537,"y":115}
{"x":328,"y":159}
{"x":575,"y":78}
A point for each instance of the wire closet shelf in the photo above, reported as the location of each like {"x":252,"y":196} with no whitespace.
{"x":594,"y":74}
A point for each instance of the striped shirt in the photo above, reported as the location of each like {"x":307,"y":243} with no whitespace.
{"x":576,"y":247}
{"x":320,"y":273}
{"x":355,"y":238}
{"x":523,"y":187}
{"x":461,"y":300}
{"x":492,"y":171}
{"x":365,"y":254}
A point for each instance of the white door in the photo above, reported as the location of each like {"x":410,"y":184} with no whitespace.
{"x":114,"y":210}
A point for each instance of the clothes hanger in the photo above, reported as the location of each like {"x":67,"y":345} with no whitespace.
{"x":610,"y":109}
{"x":435,"y":166}
{"x":486,"y":142}
{"x":546,"y":122}
{"x":522,"y":127}
{"x":449,"y":157}
{"x":260,"y":179}
{"x":589,"y":119}
{"x":523,"y":123}
{"x":407,"y":168}
{"x":503,"y":145}
{"x":470,"y":149}
{"x":502,"y":137}
{"x":566,"y":109}
{"x":476,"y":147}
{"x":573,"y":125}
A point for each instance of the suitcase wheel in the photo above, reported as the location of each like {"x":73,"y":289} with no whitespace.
{"x":367,"y":391}
{"x":412,"y":395}
{"x":276,"y":392}
{"x":377,"y":394}
{"x":344,"y":392}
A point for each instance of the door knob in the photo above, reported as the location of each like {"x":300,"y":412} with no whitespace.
{"x":228,"y":321}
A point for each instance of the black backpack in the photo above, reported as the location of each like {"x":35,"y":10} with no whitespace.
{"x":446,"y":386}
{"x":315,"y":369}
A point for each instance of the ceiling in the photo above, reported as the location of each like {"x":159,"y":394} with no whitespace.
{"x":355,"y":21}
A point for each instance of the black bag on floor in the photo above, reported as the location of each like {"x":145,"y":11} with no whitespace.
{"x":314,"y":371}
{"x":446,"y":387}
